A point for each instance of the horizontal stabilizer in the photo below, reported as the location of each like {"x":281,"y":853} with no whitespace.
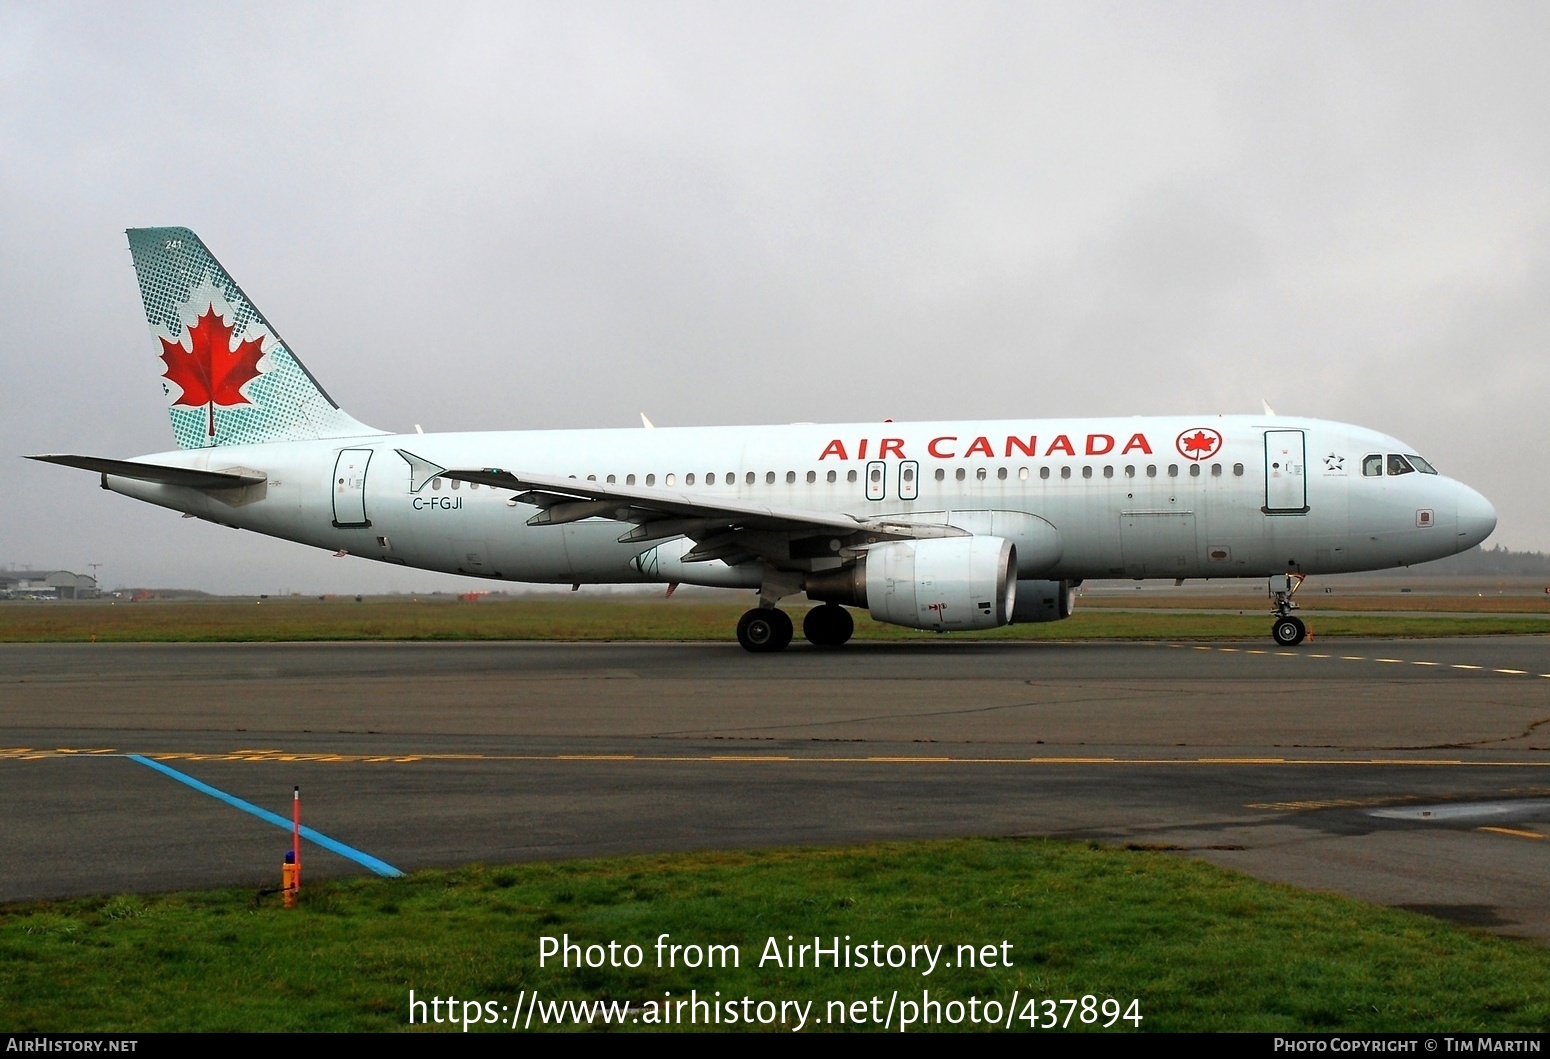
{"x":155,"y":472}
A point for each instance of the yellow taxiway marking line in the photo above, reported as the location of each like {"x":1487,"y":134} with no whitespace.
{"x":1513,"y":831}
{"x":1426,"y":663}
{"x":29,"y":754}
{"x":1514,"y":672}
{"x":1353,"y":658}
{"x":1462,"y":665}
{"x":1287,"y":654}
{"x":1319,"y":656}
{"x":1228,"y":650}
{"x":1388,"y":659}
{"x":1251,"y":652}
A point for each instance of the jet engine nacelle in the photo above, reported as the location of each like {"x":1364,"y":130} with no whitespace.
{"x":1044,"y":601}
{"x":939,"y":583}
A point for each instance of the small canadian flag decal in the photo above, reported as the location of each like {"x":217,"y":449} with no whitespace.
{"x":209,"y":369}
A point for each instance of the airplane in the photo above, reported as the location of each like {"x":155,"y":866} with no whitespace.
{"x":942,"y":526}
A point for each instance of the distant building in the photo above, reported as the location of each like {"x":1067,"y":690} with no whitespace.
{"x":47,"y":584}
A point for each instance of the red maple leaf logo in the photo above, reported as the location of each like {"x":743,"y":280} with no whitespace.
{"x":1199,"y":444}
{"x":212,"y":372}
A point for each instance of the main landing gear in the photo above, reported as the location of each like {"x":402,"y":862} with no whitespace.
{"x":765,"y":629}
{"x":1288,"y":631}
{"x":829,"y":625}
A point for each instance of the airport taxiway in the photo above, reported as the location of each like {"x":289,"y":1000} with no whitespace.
{"x":1406,"y":772}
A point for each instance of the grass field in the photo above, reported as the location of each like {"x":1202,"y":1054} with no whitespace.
{"x":549,"y":618}
{"x":1199,"y":947}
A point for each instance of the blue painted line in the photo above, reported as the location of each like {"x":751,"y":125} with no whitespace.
{"x":364,"y":859}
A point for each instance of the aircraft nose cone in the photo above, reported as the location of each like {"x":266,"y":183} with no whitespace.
{"x":1477,"y":518}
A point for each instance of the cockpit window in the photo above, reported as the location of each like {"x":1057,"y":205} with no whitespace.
{"x":1420,"y":464}
{"x":1399,"y":465}
{"x":1372,"y":466}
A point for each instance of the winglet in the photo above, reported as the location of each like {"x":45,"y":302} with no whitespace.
{"x":420,"y":471}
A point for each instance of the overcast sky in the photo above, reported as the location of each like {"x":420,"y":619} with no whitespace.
{"x":548,"y":215}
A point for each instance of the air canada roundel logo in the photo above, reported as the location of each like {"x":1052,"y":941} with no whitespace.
{"x":1199,"y":443}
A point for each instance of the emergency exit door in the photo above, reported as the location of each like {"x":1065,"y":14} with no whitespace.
{"x":350,"y":487}
{"x":1286,"y":478}
{"x":876,"y":480}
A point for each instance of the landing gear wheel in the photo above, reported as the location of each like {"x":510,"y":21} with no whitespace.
{"x":828,"y":626}
{"x":1289,"y":632}
{"x":764,"y":629}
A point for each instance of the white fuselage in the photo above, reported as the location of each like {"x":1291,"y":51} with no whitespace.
{"x":1125,"y":497}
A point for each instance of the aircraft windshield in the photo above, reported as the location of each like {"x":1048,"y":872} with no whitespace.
{"x":1399,"y":465}
{"x":1420,"y":464}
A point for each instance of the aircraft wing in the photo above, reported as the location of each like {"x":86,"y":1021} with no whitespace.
{"x":722,"y":527}
{"x":155,"y":472}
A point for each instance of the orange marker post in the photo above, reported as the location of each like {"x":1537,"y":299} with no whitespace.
{"x":288,"y":881}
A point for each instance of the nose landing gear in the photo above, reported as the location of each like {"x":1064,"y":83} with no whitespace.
{"x":764,"y":629}
{"x":1288,"y":631}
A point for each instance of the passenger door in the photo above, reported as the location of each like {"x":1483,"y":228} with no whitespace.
{"x":350,"y":487}
{"x":1286,"y":478}
{"x":909,"y":480}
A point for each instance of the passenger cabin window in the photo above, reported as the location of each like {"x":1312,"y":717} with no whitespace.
{"x":1043,"y":472}
{"x":980,"y":474}
{"x":961,"y":474}
{"x":1420,"y":464}
{"x":1151,"y":470}
{"x":750,"y":478}
{"x":834,"y":477}
{"x":629,"y":479}
{"x":791,"y":477}
{"x":651,"y":479}
{"x":710,"y":479}
{"x":610,"y":479}
{"x":1372,"y":466}
{"x":1022,"y":474}
{"x":671,"y":479}
{"x":1130,"y":470}
{"x":1001,"y":473}
{"x":1194,"y":470}
{"x":1237,"y":470}
{"x":1173,"y":470}
{"x":850,"y":476}
{"x":1065,"y":472}
{"x":435,"y":485}
{"x":769,"y":477}
{"x":1399,"y":465}
{"x":812,"y":476}
{"x":1108,"y":470}
{"x":688,"y":479}
{"x":1087,"y":472}
{"x":456,"y":482}
{"x":940,"y":475}
{"x":1216,"y":470}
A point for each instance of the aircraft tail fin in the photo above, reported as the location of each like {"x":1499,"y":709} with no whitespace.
{"x":228,"y":377}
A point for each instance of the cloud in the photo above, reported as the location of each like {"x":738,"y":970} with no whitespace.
{"x":512,"y":216}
